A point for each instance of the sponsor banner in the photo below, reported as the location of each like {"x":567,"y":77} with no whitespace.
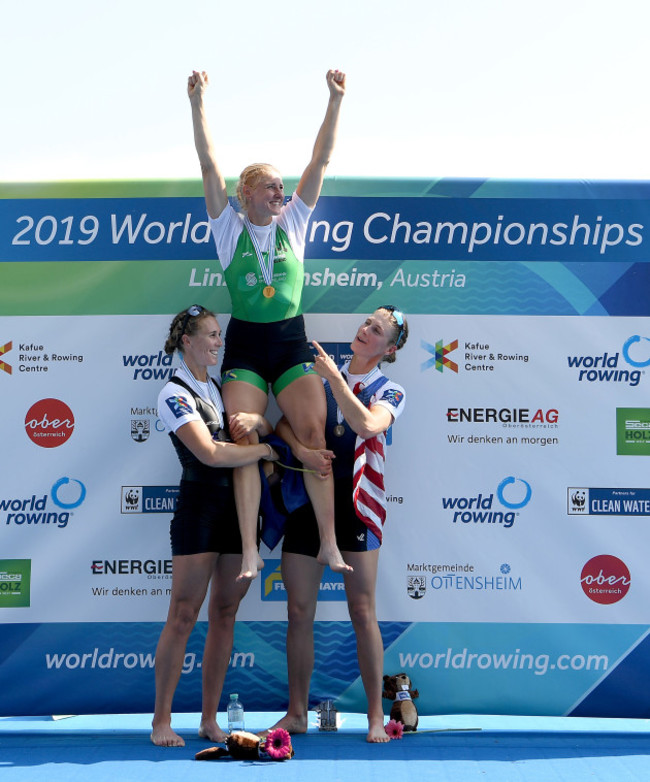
{"x":53,"y":509}
{"x":378,"y":229}
{"x":272,"y":587}
{"x":608,"y":502}
{"x":15,"y":582}
{"x":149,"y":499}
{"x":442,"y":246}
{"x":543,"y":669}
{"x":525,"y":371}
{"x":633,"y":431}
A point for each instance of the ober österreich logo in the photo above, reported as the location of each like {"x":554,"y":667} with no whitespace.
{"x":49,"y":423}
{"x":605,"y":579}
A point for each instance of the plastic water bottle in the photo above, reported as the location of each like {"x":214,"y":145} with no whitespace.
{"x":235,"y":713}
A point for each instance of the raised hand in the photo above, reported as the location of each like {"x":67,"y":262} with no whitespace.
{"x":197,"y":83}
{"x":323,"y":363}
{"x":336,"y":82}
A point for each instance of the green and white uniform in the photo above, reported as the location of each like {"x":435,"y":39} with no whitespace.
{"x":246,"y":284}
{"x":280,"y":344}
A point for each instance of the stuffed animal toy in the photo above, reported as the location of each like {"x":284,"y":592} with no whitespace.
{"x":242,"y":745}
{"x":398,"y":689}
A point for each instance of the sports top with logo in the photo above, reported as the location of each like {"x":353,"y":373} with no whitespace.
{"x":255,"y":299}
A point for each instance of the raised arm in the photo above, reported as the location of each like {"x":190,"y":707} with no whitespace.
{"x":366,"y":422}
{"x":214,"y":185}
{"x":311,"y":181}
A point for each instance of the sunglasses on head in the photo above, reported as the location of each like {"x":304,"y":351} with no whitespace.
{"x":399,"y":319}
{"x":192,"y":312}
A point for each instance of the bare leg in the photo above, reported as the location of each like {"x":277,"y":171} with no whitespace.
{"x":190,"y":578}
{"x":303,"y":404}
{"x":360,"y":592}
{"x":241,"y":397}
{"x":301,"y":576}
{"x":226,"y":594}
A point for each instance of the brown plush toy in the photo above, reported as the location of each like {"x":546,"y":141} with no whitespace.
{"x":242,"y":745}
{"x":398,"y":689}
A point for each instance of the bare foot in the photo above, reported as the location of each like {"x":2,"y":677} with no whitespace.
{"x":209,"y":729}
{"x":290,"y":723}
{"x":251,"y":564}
{"x":164,"y":736}
{"x":376,"y":732}
{"x":329,"y":554}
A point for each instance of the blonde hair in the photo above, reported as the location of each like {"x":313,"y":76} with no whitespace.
{"x":251,"y":177}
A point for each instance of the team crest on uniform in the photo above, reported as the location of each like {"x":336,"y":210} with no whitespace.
{"x":179,"y":406}
{"x":392,"y":396}
{"x":416,"y":586}
{"x":140,"y":429}
{"x":307,"y":367}
{"x":251,"y":279}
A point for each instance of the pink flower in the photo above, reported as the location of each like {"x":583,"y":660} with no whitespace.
{"x":278,"y":745}
{"x":395,"y":729}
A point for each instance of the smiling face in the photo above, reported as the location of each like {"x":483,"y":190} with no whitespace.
{"x":375,"y":338}
{"x":201,"y":349}
{"x":265,"y":197}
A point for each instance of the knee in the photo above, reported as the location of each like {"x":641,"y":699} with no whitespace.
{"x":182,"y":618}
{"x":301,"y":614}
{"x":313,"y":436}
{"x":223,"y":615}
{"x":362,"y":613}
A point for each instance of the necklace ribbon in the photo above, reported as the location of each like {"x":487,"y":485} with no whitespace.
{"x":266,"y":266}
{"x":212,"y":392}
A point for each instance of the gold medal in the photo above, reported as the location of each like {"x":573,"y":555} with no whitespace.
{"x":269,"y":291}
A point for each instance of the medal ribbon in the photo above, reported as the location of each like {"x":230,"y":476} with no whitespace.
{"x":212,"y":393}
{"x":266,"y":267}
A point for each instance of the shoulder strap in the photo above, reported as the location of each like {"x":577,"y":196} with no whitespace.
{"x":180,"y":382}
{"x":205,"y":408}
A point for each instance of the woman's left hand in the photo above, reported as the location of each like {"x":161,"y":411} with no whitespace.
{"x":336,"y":82}
{"x":323,"y":363}
{"x":242,"y":424}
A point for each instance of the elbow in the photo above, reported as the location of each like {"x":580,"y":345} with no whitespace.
{"x":208,"y":167}
{"x":369,"y":429}
{"x":365,"y":433}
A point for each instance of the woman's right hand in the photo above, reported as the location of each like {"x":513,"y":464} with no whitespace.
{"x":197,"y":83}
{"x":318,"y":460}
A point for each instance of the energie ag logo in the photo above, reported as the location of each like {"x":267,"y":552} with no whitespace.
{"x":439,"y":353}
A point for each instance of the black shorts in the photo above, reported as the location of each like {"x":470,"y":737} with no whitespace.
{"x":301,"y":530}
{"x":205,"y":520}
{"x":268,"y":349}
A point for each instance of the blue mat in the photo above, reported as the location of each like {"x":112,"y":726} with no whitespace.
{"x":116,"y":748}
